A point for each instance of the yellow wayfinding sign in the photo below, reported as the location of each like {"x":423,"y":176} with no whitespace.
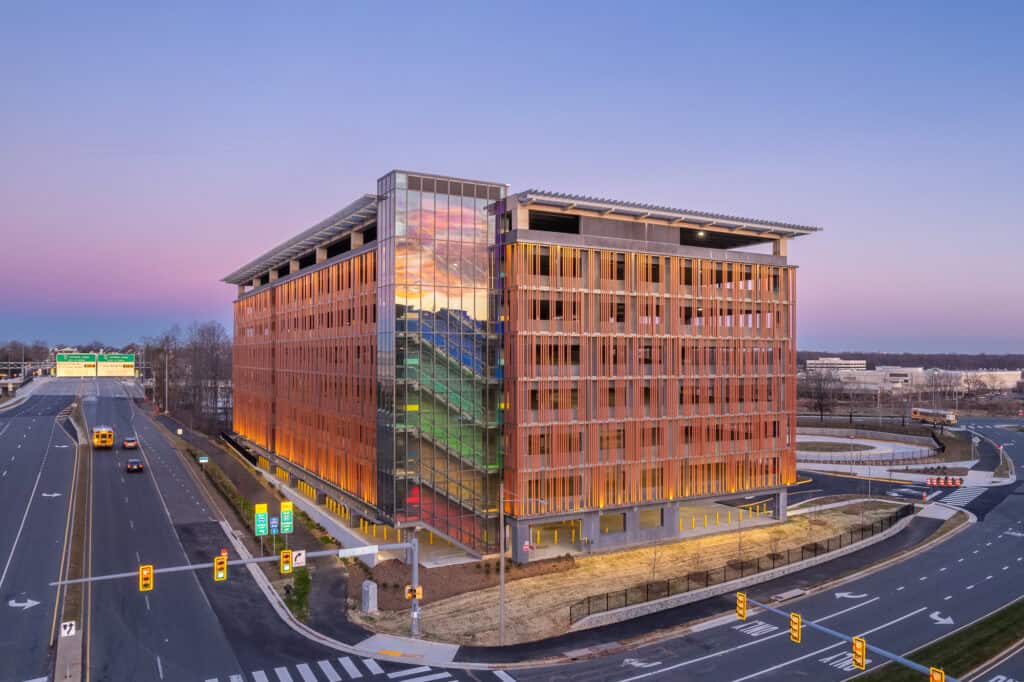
{"x":287,"y":518}
{"x":260,"y":520}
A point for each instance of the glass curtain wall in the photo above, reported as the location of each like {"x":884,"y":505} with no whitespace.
{"x":439,"y":441}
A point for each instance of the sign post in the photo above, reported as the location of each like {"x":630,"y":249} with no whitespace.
{"x":274,"y":528}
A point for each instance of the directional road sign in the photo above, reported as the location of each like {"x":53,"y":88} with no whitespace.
{"x":274,"y":525}
{"x":203,"y":459}
{"x":261,"y":519}
{"x":287,"y":523}
{"x":298,"y":558}
{"x":68,"y":628}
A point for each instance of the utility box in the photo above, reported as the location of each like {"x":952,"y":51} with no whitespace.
{"x":369,"y":596}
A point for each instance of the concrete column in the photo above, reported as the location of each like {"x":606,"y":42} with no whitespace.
{"x":519,"y":533}
{"x":779,"y":247}
{"x":590,"y":528}
{"x":293,"y":266}
{"x":781,"y":505}
{"x":293,"y":480}
{"x":357,"y":239}
{"x":321,"y":254}
{"x":321,"y":498}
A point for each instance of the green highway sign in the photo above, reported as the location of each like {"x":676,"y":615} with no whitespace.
{"x":261,"y":520}
{"x":117,"y":357}
{"x":203,"y":459}
{"x":76,"y":357}
{"x":287,"y":524}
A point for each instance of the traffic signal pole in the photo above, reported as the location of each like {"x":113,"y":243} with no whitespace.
{"x":849,"y":638}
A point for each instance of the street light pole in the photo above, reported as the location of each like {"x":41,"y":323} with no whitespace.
{"x":167,"y":354}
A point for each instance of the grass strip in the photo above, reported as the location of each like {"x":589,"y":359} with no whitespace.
{"x":74,"y":594}
{"x":962,"y":651}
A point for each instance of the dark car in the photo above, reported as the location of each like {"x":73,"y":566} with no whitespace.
{"x":134,"y":465}
{"x":130,"y":443}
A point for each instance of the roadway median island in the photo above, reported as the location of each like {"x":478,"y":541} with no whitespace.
{"x":539,"y":607}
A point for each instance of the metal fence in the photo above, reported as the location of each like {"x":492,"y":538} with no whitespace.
{"x":733,"y":570}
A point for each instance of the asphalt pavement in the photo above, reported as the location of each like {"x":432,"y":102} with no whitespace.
{"x":36,"y":465}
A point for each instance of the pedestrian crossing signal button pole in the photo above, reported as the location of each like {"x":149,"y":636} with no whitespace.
{"x":937,"y":675}
{"x":145,"y":578}
{"x":860,"y":653}
{"x":220,"y":568}
{"x":286,"y":561}
{"x":741,"y":605}
{"x":796,"y":624}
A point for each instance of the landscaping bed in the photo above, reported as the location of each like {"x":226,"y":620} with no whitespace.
{"x":831,"y":446}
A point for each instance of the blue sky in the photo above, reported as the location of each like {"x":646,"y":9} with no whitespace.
{"x":145,"y":152}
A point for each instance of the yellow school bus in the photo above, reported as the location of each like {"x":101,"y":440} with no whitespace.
{"x":103,"y":437}
{"x":933,"y":416}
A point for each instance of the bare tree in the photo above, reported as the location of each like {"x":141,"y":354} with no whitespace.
{"x":822,"y":387}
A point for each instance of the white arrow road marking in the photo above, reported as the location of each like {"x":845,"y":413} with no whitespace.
{"x":938,"y":619}
{"x":49,"y":494}
{"x":849,"y":595}
{"x":62,"y":446}
{"x":24,"y":606}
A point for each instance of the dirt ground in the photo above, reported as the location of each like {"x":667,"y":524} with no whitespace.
{"x":440,"y":583}
{"x":538,"y":607}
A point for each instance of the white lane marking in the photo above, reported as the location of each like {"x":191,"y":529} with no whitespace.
{"x":305,"y":673}
{"x":1005,"y":567}
{"x":960,"y":560}
{"x":147,"y":602}
{"x":372,"y":666}
{"x":160,"y":667}
{"x":430,"y":678}
{"x":409,"y":671}
{"x":236,"y":678}
{"x":942,"y":569}
{"x":947,"y":597}
{"x":924,"y":577}
{"x":350,"y":668}
{"x":332,"y":674}
{"x":751,"y":643}
{"x":283,"y":675}
{"x":974,"y":552}
{"x":970,"y":587}
{"x":831,"y":646}
{"x":138,"y":558}
{"x":900,"y":588}
{"x":504,"y":676}
{"x":131,"y":523}
{"x":988,"y":577}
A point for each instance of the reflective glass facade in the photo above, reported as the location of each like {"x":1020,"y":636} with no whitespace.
{"x":439,"y":445}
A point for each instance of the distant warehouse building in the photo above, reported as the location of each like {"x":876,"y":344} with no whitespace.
{"x":609,"y":361}
{"x":836,"y":365}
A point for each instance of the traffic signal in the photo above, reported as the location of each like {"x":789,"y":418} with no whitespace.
{"x":145,"y":578}
{"x":860,"y":653}
{"x":796,"y":624}
{"x":937,"y":675}
{"x":741,"y":605}
{"x":414,"y":592}
{"x":220,"y":568}
{"x":286,"y":561}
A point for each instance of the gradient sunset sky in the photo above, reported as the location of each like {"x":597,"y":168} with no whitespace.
{"x":146,"y":152}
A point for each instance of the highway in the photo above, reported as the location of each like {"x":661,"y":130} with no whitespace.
{"x":36,"y":466}
{"x":900,"y":607}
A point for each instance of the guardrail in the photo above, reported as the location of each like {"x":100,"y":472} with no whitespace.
{"x":660,"y":589}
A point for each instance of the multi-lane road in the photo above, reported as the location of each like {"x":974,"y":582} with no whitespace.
{"x":36,"y":463}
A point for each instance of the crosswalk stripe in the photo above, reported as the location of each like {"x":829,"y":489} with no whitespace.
{"x":236,"y":678}
{"x":305,"y":673}
{"x":283,"y":675}
{"x":350,"y":668}
{"x":211,"y":679}
{"x":408,"y":671}
{"x":259,"y":676}
{"x":373,"y":667}
{"x":332,"y":674}
{"x":430,"y":678}
{"x":504,"y":676}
